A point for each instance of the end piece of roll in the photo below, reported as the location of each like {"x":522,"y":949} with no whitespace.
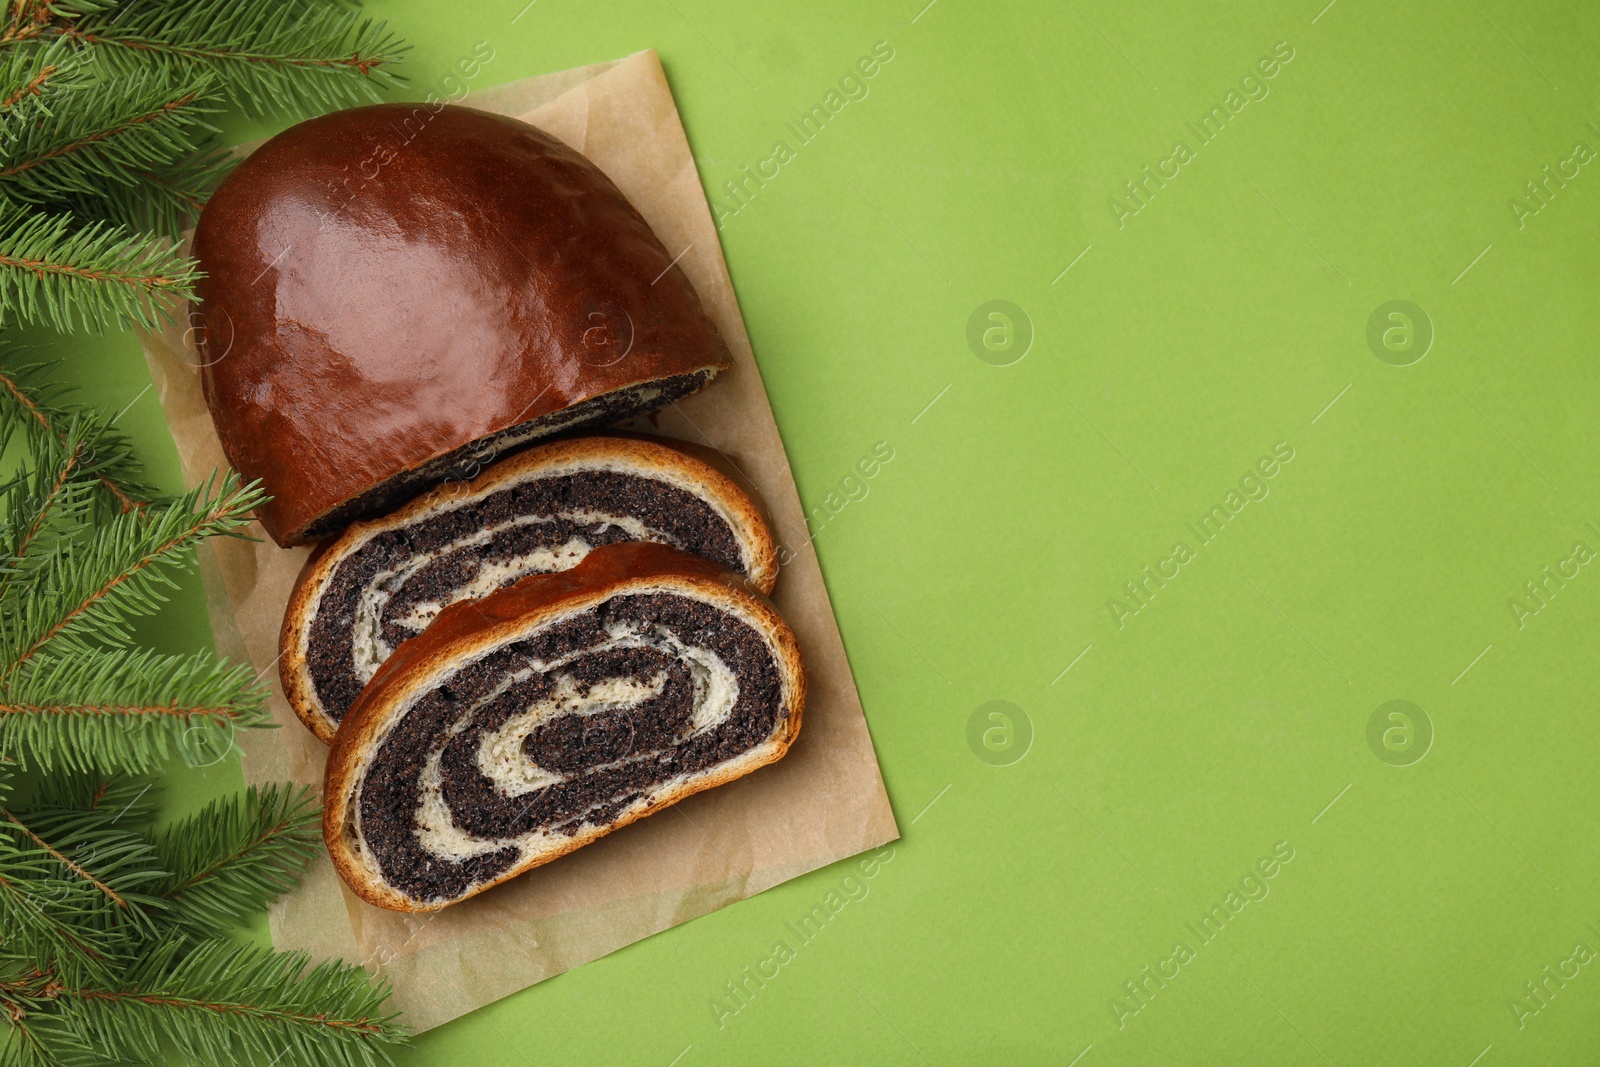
{"x":363,"y":594}
{"x":389,"y":290}
{"x":520,"y":727}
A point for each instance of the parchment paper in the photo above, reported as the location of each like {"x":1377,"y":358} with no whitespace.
{"x":823,"y":802}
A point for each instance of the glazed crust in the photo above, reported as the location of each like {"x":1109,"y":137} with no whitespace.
{"x":633,"y":453}
{"x":466,"y":629}
{"x":388,"y":284}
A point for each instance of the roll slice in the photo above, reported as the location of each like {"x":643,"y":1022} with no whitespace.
{"x":362,"y":595}
{"x":529,"y":723}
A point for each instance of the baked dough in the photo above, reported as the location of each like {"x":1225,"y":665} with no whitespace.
{"x":379,"y":584}
{"x":392,"y":290}
{"x":527,"y":724}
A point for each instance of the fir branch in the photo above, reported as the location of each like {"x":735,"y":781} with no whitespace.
{"x":126,"y":799}
{"x":52,"y":496}
{"x":238,"y":855}
{"x":58,"y":493}
{"x":223,"y":1003}
{"x":22,"y":83}
{"x":30,"y":20}
{"x":23,"y":993}
{"x":163,"y":202}
{"x":98,"y":588}
{"x":136,"y":122}
{"x":32,"y":403}
{"x":73,"y":868}
{"x":48,"y":922}
{"x":32,"y":87}
{"x":47,"y":496}
{"x":30,"y":79}
{"x":56,"y":271}
{"x":295,"y":57}
{"x":70,"y":586}
{"x":129,"y":710}
{"x":118,"y":863}
{"x":52,"y":500}
{"x":25,"y":13}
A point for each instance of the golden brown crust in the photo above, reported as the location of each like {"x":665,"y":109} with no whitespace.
{"x":669,"y":459}
{"x":386,"y":285}
{"x":293,"y":671}
{"x":472,"y":627}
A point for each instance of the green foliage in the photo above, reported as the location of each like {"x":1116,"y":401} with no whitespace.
{"x":25,"y":76}
{"x":127,"y":708}
{"x":121,"y":797}
{"x":96,"y":586}
{"x":36,"y":417}
{"x":141,"y":124}
{"x":238,"y":855}
{"x":51,"y":923}
{"x":159,"y":204}
{"x":223,"y":1004}
{"x":68,"y":273}
{"x":97,"y":851}
{"x":113,"y":943}
{"x":109,"y":946}
{"x":106,"y":149}
{"x":82,"y":557}
{"x":292,"y":57}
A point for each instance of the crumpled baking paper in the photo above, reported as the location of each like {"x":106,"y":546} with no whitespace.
{"x":823,"y":802}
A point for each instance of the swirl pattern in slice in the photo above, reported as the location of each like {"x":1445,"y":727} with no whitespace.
{"x":542,"y":511}
{"x":526,"y":725}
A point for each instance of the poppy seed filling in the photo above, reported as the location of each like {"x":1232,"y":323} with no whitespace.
{"x":388,"y":590}
{"x":592,"y":716}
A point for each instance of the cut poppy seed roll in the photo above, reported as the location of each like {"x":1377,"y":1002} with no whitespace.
{"x":363,"y":594}
{"x":527,"y":724}
{"x":390,"y":290}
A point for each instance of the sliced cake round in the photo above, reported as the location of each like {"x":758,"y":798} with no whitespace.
{"x":529,"y":723}
{"x":363,"y":594}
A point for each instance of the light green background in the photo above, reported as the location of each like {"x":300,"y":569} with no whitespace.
{"x":1226,"y":716}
